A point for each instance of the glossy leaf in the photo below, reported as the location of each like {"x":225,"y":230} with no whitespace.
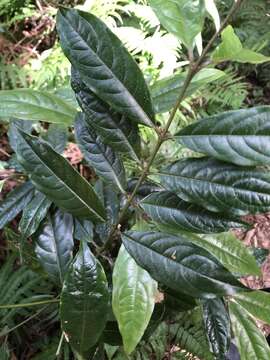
{"x":230,"y":251}
{"x":83,"y":229}
{"x":27,"y":104}
{"x":168,"y":210}
{"x":165,"y":92}
{"x":217,"y":325}
{"x":15,"y":202}
{"x":219,"y":186}
{"x":107,"y":164}
{"x":33,"y":214}
{"x":54,"y":245}
{"x":183,"y":18}
{"x":105,"y":65}
{"x":256,"y":303}
{"x":178,"y":302}
{"x":180,"y":265}
{"x":57,"y":179}
{"x":24,"y":125}
{"x":84,"y":301}
{"x":231,"y":49}
{"x":239,"y":136}
{"x":116,"y":130}
{"x":249,"y":339}
{"x":133,"y":299}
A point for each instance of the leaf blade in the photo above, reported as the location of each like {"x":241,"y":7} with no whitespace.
{"x":57,"y":179}
{"x":180,"y":265}
{"x":133,"y":299}
{"x":116,"y":86}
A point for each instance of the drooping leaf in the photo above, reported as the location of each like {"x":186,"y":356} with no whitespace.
{"x":218,"y":186}
{"x":54,"y":244}
{"x":28,"y":104}
{"x":256,"y":303}
{"x":180,"y":265}
{"x":168,"y":210}
{"x":249,"y":339}
{"x":57,"y":137}
{"x":104,"y":64}
{"x":217,"y":326}
{"x":231,"y":49}
{"x":33,"y":214}
{"x":57,"y":179}
{"x":107,"y":164}
{"x":165,"y":92}
{"x":116,"y":130}
{"x":239,"y":136}
{"x":133,"y":299}
{"x":15,"y":202}
{"x":183,"y":18}
{"x":84,"y":301}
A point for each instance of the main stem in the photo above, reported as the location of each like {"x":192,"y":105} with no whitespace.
{"x":162,"y":137}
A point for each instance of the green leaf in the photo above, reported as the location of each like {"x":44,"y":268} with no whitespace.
{"x":178,"y":302}
{"x":249,"y":339}
{"x":219,"y":186}
{"x":230,"y":251}
{"x":165,"y":92}
{"x":231,"y":49}
{"x":217,"y":325}
{"x":211,"y":8}
{"x":256,"y":303}
{"x":57,"y":179}
{"x":33,"y":214}
{"x":83,"y":229}
{"x":27,"y":104}
{"x":133,"y":299}
{"x":104,"y":64}
{"x":115,"y":129}
{"x":57,"y":137}
{"x":15,"y":202}
{"x":169,"y":211}
{"x":101,"y":157}
{"x":180,"y":265}
{"x":183,"y":18}
{"x":84,"y":301}
{"x":54,"y":245}
{"x":240,"y":136}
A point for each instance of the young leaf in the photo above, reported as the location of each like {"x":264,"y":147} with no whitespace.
{"x":231,"y":49}
{"x":15,"y":202}
{"x":105,"y":65}
{"x":57,"y":179}
{"x":27,"y":104}
{"x":180,"y":265}
{"x":115,"y":129}
{"x":240,"y":136}
{"x":84,"y":301}
{"x":33,"y":214}
{"x":133,"y":299}
{"x":217,"y":325}
{"x":106,"y":163}
{"x":249,"y":339}
{"x":183,"y":18}
{"x":256,"y":303}
{"x":219,"y":186}
{"x":54,"y":245}
{"x":168,"y":210}
{"x":165,"y":92}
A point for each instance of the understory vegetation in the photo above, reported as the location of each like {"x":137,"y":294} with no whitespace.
{"x":134,"y":166}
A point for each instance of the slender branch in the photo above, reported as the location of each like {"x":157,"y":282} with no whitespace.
{"x":13,"y":306}
{"x":193,"y":69}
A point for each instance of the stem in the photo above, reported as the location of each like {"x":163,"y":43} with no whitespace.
{"x":193,"y":69}
{"x":12,"y":306}
{"x":58,"y":351}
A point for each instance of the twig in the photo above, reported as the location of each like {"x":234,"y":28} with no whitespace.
{"x":13,"y":306}
{"x":193,"y":69}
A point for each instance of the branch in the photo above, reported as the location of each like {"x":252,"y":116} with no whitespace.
{"x":193,"y":69}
